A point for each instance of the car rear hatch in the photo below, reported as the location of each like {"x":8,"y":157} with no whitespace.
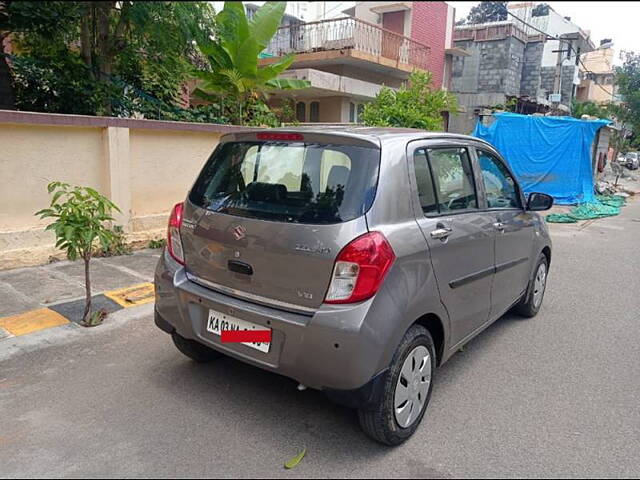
{"x":270,"y":212}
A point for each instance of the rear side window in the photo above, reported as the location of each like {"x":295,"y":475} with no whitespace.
{"x":289,"y":182}
{"x":426,"y":192}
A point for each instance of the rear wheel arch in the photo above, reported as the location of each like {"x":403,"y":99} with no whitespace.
{"x":546,"y":251}
{"x":432,"y":322}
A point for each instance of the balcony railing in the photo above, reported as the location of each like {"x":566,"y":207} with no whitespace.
{"x":348,"y":33}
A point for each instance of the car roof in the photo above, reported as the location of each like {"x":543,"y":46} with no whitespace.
{"x":376,"y":135}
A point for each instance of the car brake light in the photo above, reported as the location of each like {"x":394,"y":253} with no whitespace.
{"x":280,"y":136}
{"x":360,"y":269}
{"x":174,"y":243}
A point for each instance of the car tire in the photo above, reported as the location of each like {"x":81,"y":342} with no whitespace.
{"x":194,"y":350}
{"x":530,"y":305}
{"x":380,"y":420}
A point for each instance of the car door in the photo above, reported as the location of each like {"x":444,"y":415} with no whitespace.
{"x":459,"y":237}
{"x":514,"y":231}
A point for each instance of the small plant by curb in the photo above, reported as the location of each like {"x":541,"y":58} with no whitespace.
{"x":117,"y":247}
{"x":159,"y":243}
{"x":96,"y":318}
{"x":81,"y":217}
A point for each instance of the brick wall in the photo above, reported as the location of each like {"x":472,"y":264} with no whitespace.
{"x":566,"y":89}
{"x":546,"y":80}
{"x":530,"y":82}
{"x":513,"y":56}
{"x":466,"y":69}
{"x":547,"y":75}
{"x":429,"y":26}
{"x":495,"y":66}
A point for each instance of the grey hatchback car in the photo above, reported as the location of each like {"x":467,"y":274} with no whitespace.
{"x":368,"y":255}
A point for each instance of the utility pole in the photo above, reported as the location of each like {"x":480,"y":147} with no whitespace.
{"x":557,"y":79}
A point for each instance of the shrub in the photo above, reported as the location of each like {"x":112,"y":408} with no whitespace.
{"x":414,"y":105}
{"x":80,"y":222}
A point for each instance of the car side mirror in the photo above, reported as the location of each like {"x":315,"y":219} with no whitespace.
{"x":539,"y":201}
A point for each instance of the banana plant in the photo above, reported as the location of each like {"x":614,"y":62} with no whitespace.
{"x":233,"y":57}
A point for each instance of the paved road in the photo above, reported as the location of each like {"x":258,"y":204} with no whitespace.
{"x":554,"y":396}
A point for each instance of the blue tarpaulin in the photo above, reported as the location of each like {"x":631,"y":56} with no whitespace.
{"x":548,"y":154}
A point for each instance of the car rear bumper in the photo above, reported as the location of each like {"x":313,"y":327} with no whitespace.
{"x":327,"y":350}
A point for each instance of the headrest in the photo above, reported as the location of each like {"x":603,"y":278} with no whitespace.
{"x":266,"y":192}
{"x":338,"y":175}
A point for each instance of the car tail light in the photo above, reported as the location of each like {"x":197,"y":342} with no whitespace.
{"x":280,"y":136}
{"x":174,"y":243}
{"x":360,"y":269}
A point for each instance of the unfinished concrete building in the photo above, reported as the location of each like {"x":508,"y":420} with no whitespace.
{"x":511,"y":67}
{"x":504,"y":64}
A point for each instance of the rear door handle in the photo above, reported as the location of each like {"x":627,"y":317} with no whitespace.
{"x":442,"y":232}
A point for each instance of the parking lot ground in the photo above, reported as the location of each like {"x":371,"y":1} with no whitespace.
{"x":554,"y":396}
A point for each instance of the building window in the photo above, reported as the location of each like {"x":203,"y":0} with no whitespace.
{"x":352,"y":112}
{"x":360,"y":110}
{"x":314,"y":112}
{"x":301,"y":112}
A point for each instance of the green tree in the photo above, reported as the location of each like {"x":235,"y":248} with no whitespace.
{"x":80,"y":215}
{"x":147,"y":45}
{"x":578,"y":109}
{"x":7,"y":97}
{"x":414,"y":105}
{"x":628,"y":86}
{"x":541,"y":10}
{"x":486,"y":12}
{"x":233,"y":72}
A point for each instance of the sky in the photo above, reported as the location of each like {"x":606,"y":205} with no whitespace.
{"x":617,"y":20}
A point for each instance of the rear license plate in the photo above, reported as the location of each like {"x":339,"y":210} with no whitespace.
{"x":220,"y":321}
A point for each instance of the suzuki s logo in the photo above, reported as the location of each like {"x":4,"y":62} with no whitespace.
{"x":239,"y":232}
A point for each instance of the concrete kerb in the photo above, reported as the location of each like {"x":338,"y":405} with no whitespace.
{"x":65,"y":311}
{"x":70,"y":332}
{"x":41,"y":300}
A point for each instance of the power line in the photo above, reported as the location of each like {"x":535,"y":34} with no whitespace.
{"x":334,"y":8}
{"x":549,"y":37}
{"x":568,"y":42}
{"x":593,"y":73}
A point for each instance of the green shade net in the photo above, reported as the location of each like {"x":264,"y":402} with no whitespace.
{"x":604,"y":206}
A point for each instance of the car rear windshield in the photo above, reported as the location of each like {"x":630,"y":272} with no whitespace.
{"x":289,"y":182}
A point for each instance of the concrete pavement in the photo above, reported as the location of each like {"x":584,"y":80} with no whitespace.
{"x":553,"y":396}
{"x":53,"y":295}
